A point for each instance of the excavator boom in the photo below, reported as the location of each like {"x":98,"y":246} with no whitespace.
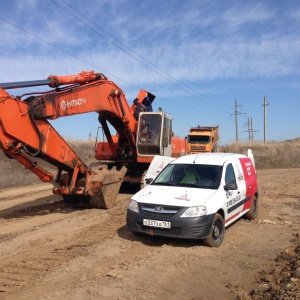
{"x":56,"y":81}
{"x":26,"y":134}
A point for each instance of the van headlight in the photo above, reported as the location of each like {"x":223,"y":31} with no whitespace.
{"x":133,"y":206}
{"x":194,"y":211}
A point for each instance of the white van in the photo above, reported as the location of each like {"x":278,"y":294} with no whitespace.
{"x":196,"y":197}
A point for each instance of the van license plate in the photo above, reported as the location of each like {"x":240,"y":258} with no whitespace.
{"x":155,"y":223}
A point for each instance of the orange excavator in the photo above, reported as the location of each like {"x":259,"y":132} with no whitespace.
{"x":141,"y":134}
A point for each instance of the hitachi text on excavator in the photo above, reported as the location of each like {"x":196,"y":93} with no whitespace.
{"x":26,"y":134}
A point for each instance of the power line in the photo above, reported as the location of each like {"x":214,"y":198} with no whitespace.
{"x":172,"y":80}
{"x":133,"y":33}
{"x":250,"y":130}
{"x":95,"y":67}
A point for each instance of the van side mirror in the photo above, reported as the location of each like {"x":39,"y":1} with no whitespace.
{"x":230,"y":186}
{"x":148,"y":180}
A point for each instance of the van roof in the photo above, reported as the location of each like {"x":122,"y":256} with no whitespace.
{"x":217,"y":159}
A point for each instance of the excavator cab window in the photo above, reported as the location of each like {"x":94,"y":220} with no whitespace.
{"x":167,"y":133}
{"x":154,"y":135}
{"x":149,"y":134}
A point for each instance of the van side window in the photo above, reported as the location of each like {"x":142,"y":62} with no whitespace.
{"x":229,"y":175}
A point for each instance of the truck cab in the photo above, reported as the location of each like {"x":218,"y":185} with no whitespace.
{"x":203,"y":139}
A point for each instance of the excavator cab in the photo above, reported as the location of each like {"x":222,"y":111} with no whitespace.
{"x":154,"y":134}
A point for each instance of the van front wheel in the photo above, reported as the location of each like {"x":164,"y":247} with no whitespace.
{"x":217,"y":231}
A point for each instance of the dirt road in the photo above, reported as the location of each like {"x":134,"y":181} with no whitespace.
{"x":51,"y":251}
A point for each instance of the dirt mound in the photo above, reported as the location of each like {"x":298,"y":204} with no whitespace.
{"x":283,"y":281}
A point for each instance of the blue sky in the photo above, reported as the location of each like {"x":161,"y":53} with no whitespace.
{"x":198,"y":57}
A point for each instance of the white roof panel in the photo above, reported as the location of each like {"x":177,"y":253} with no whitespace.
{"x":207,"y":158}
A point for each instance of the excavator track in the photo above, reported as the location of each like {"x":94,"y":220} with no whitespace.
{"x":103,"y":188}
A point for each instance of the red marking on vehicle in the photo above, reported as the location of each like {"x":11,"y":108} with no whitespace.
{"x":229,"y":219}
{"x":247,"y":204}
{"x":250,"y":180}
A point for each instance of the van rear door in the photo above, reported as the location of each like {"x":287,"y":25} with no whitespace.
{"x":249,"y":172}
{"x":235,"y":191}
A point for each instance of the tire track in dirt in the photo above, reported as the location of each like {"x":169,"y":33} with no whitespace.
{"x":90,"y":254}
{"x":31,"y":264}
{"x":27,"y":269}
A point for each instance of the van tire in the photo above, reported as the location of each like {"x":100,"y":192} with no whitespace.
{"x":253,"y":212}
{"x":217,"y":232}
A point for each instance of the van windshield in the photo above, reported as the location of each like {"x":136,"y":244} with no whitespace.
{"x":190,"y":175}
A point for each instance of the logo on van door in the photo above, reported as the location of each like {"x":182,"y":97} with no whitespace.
{"x":234,"y":200}
{"x":240,"y":174}
{"x":248,"y":166}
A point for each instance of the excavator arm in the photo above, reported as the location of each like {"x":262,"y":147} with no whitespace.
{"x":25,"y":132}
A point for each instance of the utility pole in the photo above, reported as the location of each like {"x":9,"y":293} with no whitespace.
{"x":250,"y":130}
{"x":236,"y":113}
{"x":265,"y":119}
{"x":236,"y":122}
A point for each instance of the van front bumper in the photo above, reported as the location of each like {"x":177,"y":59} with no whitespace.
{"x":185,"y":228}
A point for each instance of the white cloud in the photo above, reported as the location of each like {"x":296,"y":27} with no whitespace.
{"x":216,"y":48}
{"x":254,"y":12}
{"x":204,"y":61}
{"x":178,"y":54}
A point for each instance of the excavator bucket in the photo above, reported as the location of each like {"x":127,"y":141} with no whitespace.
{"x":104,"y":185}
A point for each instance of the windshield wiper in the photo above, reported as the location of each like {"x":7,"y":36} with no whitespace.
{"x":188,"y":185}
{"x":163,"y":183}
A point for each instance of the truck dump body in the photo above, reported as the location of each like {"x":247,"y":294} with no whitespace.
{"x":203,"y":139}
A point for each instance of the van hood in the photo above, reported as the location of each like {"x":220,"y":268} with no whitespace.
{"x":170,"y":195}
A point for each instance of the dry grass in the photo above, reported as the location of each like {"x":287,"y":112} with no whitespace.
{"x":84,"y":149}
{"x":276,"y":155}
{"x":271,"y":155}
{"x":14,"y":174}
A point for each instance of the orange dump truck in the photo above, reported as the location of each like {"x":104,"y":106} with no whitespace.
{"x":203,"y":139}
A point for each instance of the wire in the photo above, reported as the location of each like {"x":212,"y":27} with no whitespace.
{"x":189,"y":88}
{"x":86,"y":62}
{"x":173,"y":80}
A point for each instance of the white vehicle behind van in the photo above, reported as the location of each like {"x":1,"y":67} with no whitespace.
{"x":156,"y":166}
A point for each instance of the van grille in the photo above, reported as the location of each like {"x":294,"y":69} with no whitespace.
{"x":154,"y":210}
